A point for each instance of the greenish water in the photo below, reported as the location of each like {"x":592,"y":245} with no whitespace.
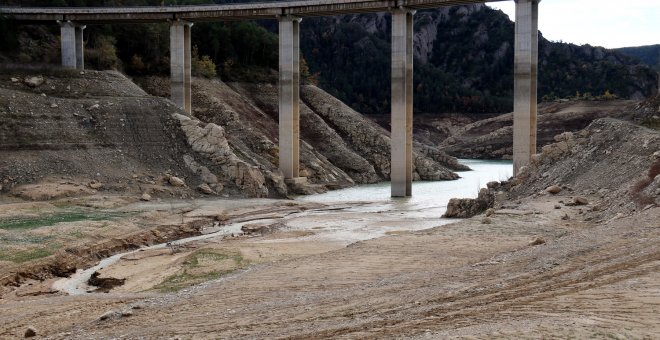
{"x":51,"y":219}
{"x":426,"y":194}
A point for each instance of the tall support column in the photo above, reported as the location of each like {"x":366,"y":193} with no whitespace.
{"x":80,"y":47}
{"x":68,"y":43}
{"x":525,"y":83}
{"x":180,"y":64}
{"x":187,"y":67}
{"x":402,"y":102}
{"x":289,"y":96}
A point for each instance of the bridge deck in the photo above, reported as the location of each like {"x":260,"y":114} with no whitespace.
{"x":264,"y":10}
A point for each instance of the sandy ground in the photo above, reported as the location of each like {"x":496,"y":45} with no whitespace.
{"x":469,"y":279}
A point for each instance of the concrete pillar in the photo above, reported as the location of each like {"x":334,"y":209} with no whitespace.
{"x":187,"y":67}
{"x":80,"y":47}
{"x":180,"y":64}
{"x":68,"y":43}
{"x":289,"y":96}
{"x":402,"y":102}
{"x":525,"y":83}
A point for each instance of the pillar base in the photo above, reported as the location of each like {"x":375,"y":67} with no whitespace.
{"x":295,"y":181}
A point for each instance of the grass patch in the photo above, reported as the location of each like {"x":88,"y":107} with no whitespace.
{"x":76,"y":234}
{"x":201,"y":266}
{"x":28,"y":255}
{"x":26,"y":239}
{"x":23,"y":223}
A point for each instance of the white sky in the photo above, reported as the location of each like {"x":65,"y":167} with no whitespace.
{"x":607,"y":23}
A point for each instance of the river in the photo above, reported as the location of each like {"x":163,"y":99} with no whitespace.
{"x":353,"y":214}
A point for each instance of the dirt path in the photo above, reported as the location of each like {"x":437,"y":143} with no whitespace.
{"x":461,"y":280}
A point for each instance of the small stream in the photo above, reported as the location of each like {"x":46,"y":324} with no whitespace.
{"x":364,"y":212}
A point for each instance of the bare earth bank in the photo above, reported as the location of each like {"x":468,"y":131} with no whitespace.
{"x":538,"y":266}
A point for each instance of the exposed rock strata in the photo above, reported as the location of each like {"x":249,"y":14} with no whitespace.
{"x":137,"y":143}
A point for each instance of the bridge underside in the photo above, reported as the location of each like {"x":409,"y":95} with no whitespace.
{"x":289,"y":14}
{"x":251,"y":11}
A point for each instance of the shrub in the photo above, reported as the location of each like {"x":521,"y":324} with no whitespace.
{"x":637,"y":193}
{"x":203,"y":66}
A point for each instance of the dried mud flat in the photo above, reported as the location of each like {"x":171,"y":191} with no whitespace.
{"x":467,"y":279}
{"x":537,"y":266}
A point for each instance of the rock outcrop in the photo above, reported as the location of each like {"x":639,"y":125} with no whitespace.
{"x":228,"y":146}
{"x":468,"y":207}
{"x":210,"y":141}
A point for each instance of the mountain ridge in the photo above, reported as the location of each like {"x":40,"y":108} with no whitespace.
{"x":463,"y":57}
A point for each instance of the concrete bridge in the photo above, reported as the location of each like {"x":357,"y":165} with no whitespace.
{"x":290,"y":13}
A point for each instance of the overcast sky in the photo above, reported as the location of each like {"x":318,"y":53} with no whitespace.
{"x":608,"y":23}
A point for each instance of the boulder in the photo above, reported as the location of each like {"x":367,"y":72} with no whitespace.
{"x":34,"y":81}
{"x":468,"y":207}
{"x":30,"y":332}
{"x":145,"y":197}
{"x":205,"y":189}
{"x":579,"y":200}
{"x":95,"y":185}
{"x":562,"y":137}
{"x":553,"y":189}
{"x":176,"y":181}
{"x":109,"y":315}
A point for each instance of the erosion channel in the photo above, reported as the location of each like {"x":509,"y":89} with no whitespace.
{"x":346,"y":216}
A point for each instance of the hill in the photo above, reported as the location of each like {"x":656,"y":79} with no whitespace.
{"x":67,"y":133}
{"x":649,"y":55}
{"x":464,"y":57}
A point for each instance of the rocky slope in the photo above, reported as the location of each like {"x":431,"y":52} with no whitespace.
{"x":339,"y":145}
{"x":492,"y":138}
{"x":78,"y":129}
{"x":617,"y":162}
{"x":92,"y":131}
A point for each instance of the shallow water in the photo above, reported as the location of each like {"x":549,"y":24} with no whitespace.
{"x":369,"y":211}
{"x":359,"y":213}
{"x":425,"y":194}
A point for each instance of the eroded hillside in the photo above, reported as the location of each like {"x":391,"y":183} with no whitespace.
{"x":74,"y":133}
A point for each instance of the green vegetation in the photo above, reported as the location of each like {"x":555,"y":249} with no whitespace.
{"x":201,"y":266}
{"x":25,"y":223}
{"x":25,"y":239}
{"x":651,"y":123}
{"x":28,"y":255}
{"x":649,"y":55}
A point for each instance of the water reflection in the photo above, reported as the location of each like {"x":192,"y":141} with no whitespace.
{"x":425,"y":195}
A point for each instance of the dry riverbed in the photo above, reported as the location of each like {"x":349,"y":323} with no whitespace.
{"x":527,"y":270}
